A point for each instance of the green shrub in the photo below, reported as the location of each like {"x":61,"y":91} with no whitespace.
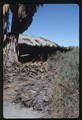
{"x":68,"y":64}
{"x":69,"y":70}
{"x":66,"y":84}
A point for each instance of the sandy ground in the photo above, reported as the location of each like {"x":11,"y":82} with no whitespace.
{"x":12,"y":110}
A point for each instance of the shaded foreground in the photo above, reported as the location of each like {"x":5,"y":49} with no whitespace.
{"x":50,"y":87}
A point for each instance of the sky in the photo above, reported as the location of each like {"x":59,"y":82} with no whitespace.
{"x":56,"y":22}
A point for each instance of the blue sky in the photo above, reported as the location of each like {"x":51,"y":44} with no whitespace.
{"x":58,"y":23}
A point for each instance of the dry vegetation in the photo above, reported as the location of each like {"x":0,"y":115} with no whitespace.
{"x":66,"y":83}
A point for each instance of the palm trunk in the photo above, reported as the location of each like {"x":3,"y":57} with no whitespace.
{"x":10,"y":52}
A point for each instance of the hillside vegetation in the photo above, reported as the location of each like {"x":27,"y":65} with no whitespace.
{"x":66,"y":82}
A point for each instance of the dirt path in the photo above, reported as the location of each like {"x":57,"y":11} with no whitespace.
{"x":29,"y":86}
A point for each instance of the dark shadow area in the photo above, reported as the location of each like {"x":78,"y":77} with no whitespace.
{"x":36,"y":53}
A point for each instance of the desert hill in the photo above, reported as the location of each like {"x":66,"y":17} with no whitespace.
{"x":37,"y":48}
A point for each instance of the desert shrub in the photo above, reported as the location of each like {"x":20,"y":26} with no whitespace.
{"x":69,"y":70}
{"x":68,"y":94}
{"x":68,"y":64}
{"x":66,"y":85}
{"x":54,"y":59}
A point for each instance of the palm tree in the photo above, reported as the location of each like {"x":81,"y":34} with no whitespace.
{"x":21,"y":20}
